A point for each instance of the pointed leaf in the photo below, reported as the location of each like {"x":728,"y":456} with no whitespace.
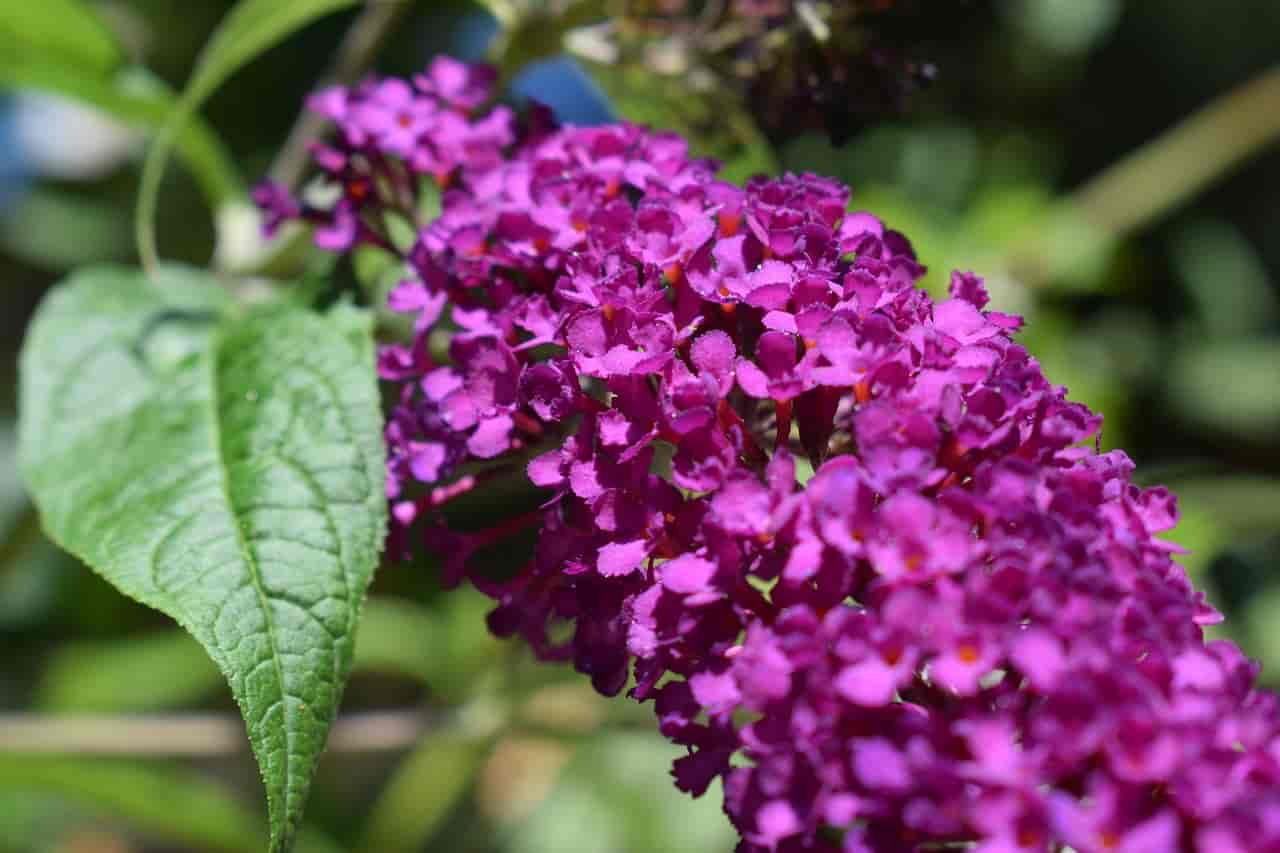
{"x":223,"y":469}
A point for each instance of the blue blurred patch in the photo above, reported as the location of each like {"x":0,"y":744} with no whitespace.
{"x":14,"y":172}
{"x":559,"y":82}
{"x":562,"y":85}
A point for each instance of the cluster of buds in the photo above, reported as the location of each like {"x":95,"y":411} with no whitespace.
{"x":858,"y":552}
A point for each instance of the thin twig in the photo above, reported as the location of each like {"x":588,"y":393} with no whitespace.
{"x":354,"y":57}
{"x":192,"y":735}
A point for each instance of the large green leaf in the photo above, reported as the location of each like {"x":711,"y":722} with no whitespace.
{"x":225,"y":469}
{"x":68,"y":31}
{"x":249,"y":29}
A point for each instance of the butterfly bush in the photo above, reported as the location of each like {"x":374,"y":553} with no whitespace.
{"x":860,"y":555}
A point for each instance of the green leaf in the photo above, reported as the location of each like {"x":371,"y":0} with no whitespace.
{"x":616,"y":790}
{"x":174,"y":805}
{"x":61,"y":30}
{"x":1247,"y":407}
{"x":154,"y":672}
{"x":135,"y":97}
{"x":164,"y":802}
{"x":37,"y":223}
{"x":396,"y":638}
{"x":169,"y":669}
{"x":33,"y":822}
{"x":251,"y":28}
{"x":225,"y":469}
{"x":424,"y":790}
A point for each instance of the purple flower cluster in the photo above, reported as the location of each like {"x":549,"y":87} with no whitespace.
{"x":847,"y":539}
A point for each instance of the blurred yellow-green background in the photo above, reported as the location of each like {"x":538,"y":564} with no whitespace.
{"x":1047,"y":155}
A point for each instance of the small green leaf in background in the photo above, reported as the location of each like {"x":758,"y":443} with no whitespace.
{"x":174,"y":805}
{"x":35,"y":228}
{"x":616,"y":793}
{"x":423,"y":791}
{"x":13,"y":501}
{"x":251,"y":28}
{"x":1230,"y":386}
{"x":226,"y":470}
{"x":163,"y":670}
{"x":33,"y":821}
{"x":66,"y":31}
{"x":166,"y":803}
{"x":153,"y":672}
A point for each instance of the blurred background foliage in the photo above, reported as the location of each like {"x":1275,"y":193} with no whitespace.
{"x":978,"y":128}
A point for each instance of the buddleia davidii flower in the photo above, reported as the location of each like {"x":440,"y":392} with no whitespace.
{"x":963,"y":629}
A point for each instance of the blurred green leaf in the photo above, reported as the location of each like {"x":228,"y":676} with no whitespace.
{"x":1262,"y":626}
{"x":1066,"y":26}
{"x":177,"y":806}
{"x":32,"y":821}
{"x":148,"y":673}
{"x":36,"y":226}
{"x":1202,"y":534}
{"x":466,"y":647}
{"x":616,"y":794}
{"x":249,"y":29}
{"x":423,"y":791}
{"x":136,"y":97}
{"x":65,"y":31}
{"x":169,"y":669}
{"x":714,"y":122}
{"x":225,"y":471}
{"x":174,"y":805}
{"x":397,"y":637}
{"x":32,"y":572}
{"x":1225,"y":277}
{"x":1229,"y":385}
{"x":1241,"y":505}
{"x":12,"y":499}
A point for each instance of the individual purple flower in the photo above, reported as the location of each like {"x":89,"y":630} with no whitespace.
{"x":276,"y":204}
{"x":393,"y":117}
